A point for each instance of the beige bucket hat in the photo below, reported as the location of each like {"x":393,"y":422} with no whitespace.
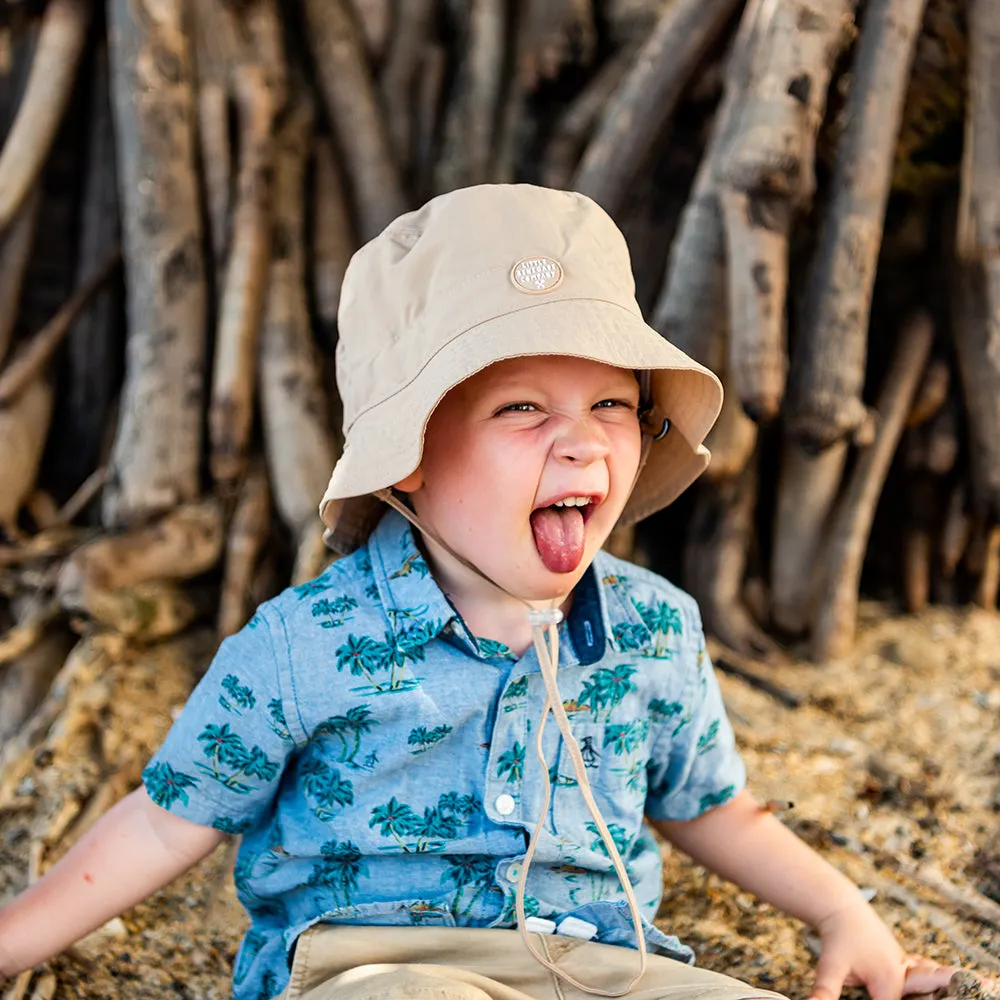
{"x":476,"y":276}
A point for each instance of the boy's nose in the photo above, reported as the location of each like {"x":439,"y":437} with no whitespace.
{"x":581,"y":442}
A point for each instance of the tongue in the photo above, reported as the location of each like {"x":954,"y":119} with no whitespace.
{"x":558,"y":537}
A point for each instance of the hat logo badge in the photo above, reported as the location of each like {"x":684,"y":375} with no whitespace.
{"x":536,"y":274}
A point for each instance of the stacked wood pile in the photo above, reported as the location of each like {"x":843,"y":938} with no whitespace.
{"x":181,"y":186}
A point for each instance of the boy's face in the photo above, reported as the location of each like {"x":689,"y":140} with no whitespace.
{"x":504,"y":449}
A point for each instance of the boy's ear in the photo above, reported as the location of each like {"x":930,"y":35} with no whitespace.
{"x":410,"y":483}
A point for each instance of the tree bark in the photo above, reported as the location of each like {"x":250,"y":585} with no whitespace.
{"x":638,"y":113}
{"x":157,"y":449}
{"x":333,"y":240}
{"x":94,"y":342}
{"x":346,"y":83}
{"x":833,"y":635}
{"x":230,"y":416}
{"x":53,"y":72}
{"x":24,"y":426}
{"x":715,"y":562}
{"x":976,"y":331}
{"x":297,"y":440}
{"x":767,"y":179}
{"x":979,"y":223}
{"x":828,"y":367}
{"x":807,"y":489}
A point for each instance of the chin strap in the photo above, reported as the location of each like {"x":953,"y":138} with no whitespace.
{"x":545,"y":636}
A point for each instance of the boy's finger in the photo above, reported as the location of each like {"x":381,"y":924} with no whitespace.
{"x":926,"y":977}
{"x":887,"y":985}
{"x":830,"y":976}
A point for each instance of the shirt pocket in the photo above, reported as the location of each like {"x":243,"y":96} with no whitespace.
{"x":615,"y":758}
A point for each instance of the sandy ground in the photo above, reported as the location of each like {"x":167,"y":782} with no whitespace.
{"x":892,"y":760}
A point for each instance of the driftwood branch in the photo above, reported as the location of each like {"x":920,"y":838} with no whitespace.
{"x":833,"y":635}
{"x":767,"y":178}
{"x":53,"y":71}
{"x":157,"y":450}
{"x":351,"y":101}
{"x":828,"y":369}
{"x":234,"y":373}
{"x":29,"y":362}
{"x":297,"y":440}
{"x":638,"y":112}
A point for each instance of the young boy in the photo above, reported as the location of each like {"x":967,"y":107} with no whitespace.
{"x":378,"y":736}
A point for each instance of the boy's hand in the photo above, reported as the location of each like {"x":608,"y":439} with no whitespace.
{"x":860,"y":950}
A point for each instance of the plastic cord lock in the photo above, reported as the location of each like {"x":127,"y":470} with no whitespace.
{"x":544,"y":616}
{"x":539,"y":925}
{"x":576,"y":928}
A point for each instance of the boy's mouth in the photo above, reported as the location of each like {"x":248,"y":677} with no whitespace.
{"x":558,"y":528}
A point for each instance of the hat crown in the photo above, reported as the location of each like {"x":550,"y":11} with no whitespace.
{"x":463,"y":259}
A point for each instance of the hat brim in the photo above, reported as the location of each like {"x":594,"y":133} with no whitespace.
{"x":385,"y":442}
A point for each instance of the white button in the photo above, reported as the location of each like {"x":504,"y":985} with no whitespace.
{"x":505,"y":804}
{"x":513,"y":873}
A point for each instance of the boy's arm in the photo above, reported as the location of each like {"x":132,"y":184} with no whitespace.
{"x":132,"y":851}
{"x":747,"y":845}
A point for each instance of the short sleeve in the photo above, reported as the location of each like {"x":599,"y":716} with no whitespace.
{"x":694,"y":765}
{"x":223,"y":758}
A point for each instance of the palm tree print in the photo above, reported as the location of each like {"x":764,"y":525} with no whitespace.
{"x":428,"y":832}
{"x":227,"y":748}
{"x":558,"y":780}
{"x":619,"y":835}
{"x":255,"y":620}
{"x":626,"y":738}
{"x":633,"y":775}
{"x":412,"y":564}
{"x":371,"y":592}
{"x":719,"y":798}
{"x":366,"y":656}
{"x":336,"y":611}
{"x":348,"y":728}
{"x":661,"y":709}
{"x":393,"y":818}
{"x":662,"y":620}
{"x":516,"y":690}
{"x":166,"y":786}
{"x":423,"y":738}
{"x":276,"y":720}
{"x":324,"y":786}
{"x":362,"y":657}
{"x":709,"y":738}
{"x":494,"y":650}
{"x":240,"y":696}
{"x":312,"y":588}
{"x":475,"y":870}
{"x":509,"y":915}
{"x":511,"y":763}
{"x":339,"y":869}
{"x":630,"y":636}
{"x":234,"y":827}
{"x":606,"y":688}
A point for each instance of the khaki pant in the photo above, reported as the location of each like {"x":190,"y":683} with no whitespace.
{"x":430,"y":963}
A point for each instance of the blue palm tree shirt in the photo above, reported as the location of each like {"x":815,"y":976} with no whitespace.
{"x":379,"y":761}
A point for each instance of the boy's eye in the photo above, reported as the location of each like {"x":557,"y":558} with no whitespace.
{"x":518,"y":408}
{"x":610,"y":404}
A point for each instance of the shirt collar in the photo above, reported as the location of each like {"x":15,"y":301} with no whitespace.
{"x":623,"y":624}
{"x":406,"y":586}
{"x":602,"y":609}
